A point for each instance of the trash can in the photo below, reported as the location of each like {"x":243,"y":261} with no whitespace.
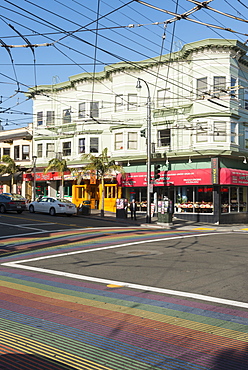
{"x":84,"y":208}
{"x":164,"y":211}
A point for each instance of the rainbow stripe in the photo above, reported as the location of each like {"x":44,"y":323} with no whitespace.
{"x":53,"y":322}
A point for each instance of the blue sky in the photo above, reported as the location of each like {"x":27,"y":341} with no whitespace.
{"x":131,"y":31}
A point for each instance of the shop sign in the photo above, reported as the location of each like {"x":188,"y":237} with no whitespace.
{"x":41,"y":176}
{"x":92,"y":177}
{"x":176,"y":178}
{"x":233,"y":177}
{"x":215,"y":170}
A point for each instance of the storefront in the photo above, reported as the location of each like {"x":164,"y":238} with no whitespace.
{"x":49,"y":183}
{"x":201,"y":195}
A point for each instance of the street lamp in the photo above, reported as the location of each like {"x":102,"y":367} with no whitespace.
{"x":34,"y":176}
{"x":148,"y":147}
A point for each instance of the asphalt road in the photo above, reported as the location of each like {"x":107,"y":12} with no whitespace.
{"x":25,"y":223}
{"x":213,"y":265}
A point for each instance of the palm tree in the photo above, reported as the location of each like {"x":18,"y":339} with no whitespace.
{"x":9,"y":168}
{"x":59,"y":165}
{"x":102,"y":165}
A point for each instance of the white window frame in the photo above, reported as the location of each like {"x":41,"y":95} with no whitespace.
{"x":82,"y":110}
{"x":132,"y":140}
{"x":25,"y":152}
{"x":132,"y":102}
{"x":119,"y":103}
{"x":202,"y":132}
{"x":92,"y":146}
{"x":233,"y":130}
{"x":201,"y":87}
{"x":50,"y":150}
{"x":164,"y":140}
{"x":66,"y":148}
{"x":94,"y":109}
{"x":119,"y":141}
{"x":50,"y":117}
{"x":219,"y":134}
{"x":81,"y":147}
{"x":39,"y":116}
{"x":39,"y":150}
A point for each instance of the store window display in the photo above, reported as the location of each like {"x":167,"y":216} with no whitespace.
{"x":196,"y":199}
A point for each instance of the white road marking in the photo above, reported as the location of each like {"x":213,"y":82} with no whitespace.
{"x":19,"y":264}
{"x":130,"y":285}
{"x":20,"y":226}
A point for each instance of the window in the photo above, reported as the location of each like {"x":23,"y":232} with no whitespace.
{"x":6,"y":151}
{"x":246,"y":137}
{"x":50,"y":150}
{"x":164,"y":137}
{"x":67,"y":148}
{"x":219,"y":83}
{"x":246,"y":99}
{"x":119,"y":141}
{"x":219,"y":131}
{"x":132,"y":102}
{"x":39,"y":150}
{"x":66,"y":115}
{"x":233,"y":87}
{"x":17,"y":152}
{"x":39,"y":118}
{"x":233,"y":133}
{"x":81,"y":145}
{"x":161,"y":96}
{"x":201,"y":86}
{"x":94,"y":109}
{"x":81,"y":110}
{"x":202,"y":132}
{"x":119,"y":103}
{"x":94,"y":145}
{"x":50,"y":117}
{"x":132,"y":140}
{"x":25,"y":151}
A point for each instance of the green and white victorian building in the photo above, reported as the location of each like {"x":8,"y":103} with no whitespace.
{"x":199,"y":127}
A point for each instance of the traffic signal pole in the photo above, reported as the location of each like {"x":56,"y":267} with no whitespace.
{"x":148,"y":146}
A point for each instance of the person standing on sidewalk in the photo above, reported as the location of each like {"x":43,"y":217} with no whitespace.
{"x":133,"y":209}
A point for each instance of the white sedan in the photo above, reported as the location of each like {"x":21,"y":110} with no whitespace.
{"x":52,"y":206}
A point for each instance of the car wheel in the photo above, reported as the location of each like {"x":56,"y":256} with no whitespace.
{"x":19,"y":212}
{"x":2,"y":209}
{"x":52,"y":211}
{"x":31,"y":209}
{"x":68,"y":214}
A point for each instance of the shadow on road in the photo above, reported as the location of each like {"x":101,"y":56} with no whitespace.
{"x":32,"y":362}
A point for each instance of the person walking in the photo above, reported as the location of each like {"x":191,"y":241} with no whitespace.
{"x":133,"y":209}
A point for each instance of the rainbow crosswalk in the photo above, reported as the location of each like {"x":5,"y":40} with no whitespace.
{"x":56,"y":322}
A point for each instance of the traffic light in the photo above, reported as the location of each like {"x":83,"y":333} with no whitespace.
{"x":143,"y":133}
{"x":156,"y":171}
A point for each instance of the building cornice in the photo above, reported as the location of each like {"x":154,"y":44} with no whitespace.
{"x":183,"y":54}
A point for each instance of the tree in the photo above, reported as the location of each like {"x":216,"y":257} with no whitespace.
{"x":59,"y":165}
{"x":102,"y":165}
{"x":9,"y":168}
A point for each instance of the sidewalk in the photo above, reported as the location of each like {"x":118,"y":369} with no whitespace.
{"x":176,"y":223}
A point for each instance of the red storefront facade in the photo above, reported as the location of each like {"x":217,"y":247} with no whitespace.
{"x":208,"y":195}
